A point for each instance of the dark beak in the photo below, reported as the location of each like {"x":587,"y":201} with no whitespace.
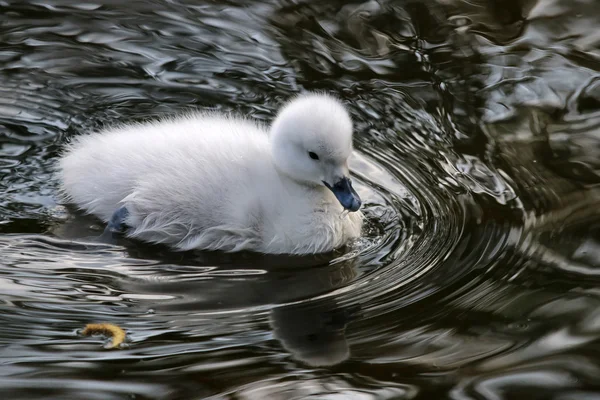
{"x":345,"y":194}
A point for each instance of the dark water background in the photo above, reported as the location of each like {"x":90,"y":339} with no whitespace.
{"x":478,"y":138}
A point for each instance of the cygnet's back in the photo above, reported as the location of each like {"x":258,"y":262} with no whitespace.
{"x":212,"y":182}
{"x":100,"y":170}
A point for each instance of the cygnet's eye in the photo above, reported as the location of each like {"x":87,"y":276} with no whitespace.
{"x":312,"y":155}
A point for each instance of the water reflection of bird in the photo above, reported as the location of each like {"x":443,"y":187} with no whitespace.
{"x":313,"y":330}
{"x":315,"y":333}
{"x":218,"y":182}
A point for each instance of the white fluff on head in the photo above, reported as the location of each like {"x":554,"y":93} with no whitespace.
{"x":216,"y":182}
{"x":311,"y":123}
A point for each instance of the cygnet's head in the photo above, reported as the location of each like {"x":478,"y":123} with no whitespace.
{"x":311,"y":141}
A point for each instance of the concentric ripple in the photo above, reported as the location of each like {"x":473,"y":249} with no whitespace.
{"x":477,"y":157}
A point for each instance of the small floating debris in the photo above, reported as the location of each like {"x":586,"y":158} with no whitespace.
{"x":117,"y":334}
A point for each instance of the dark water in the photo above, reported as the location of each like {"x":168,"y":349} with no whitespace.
{"x":478,"y":138}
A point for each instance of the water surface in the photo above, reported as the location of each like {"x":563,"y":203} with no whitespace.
{"x":478,"y":156}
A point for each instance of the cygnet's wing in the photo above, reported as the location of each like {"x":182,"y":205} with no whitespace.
{"x":191,"y":164}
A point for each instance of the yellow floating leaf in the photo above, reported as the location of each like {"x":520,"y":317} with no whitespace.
{"x":117,"y":334}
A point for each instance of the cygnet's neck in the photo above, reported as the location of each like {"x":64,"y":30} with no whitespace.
{"x":288,"y":179}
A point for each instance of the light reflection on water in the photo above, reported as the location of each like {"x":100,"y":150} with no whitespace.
{"x":478,"y":159}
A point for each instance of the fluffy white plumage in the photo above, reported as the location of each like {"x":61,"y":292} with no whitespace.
{"x":209,"y":181}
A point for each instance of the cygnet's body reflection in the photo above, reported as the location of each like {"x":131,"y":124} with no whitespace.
{"x":313,"y":331}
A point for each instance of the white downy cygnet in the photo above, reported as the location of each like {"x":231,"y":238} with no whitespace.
{"x":217,"y":182}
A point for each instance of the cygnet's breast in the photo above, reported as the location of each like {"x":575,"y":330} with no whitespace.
{"x":314,"y":222}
